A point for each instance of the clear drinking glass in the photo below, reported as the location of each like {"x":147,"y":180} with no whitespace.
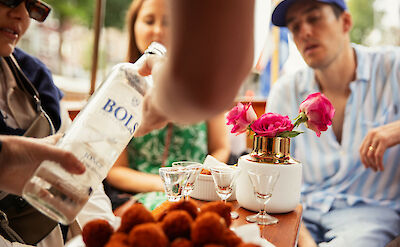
{"x":194,"y":169}
{"x":174,"y":180}
{"x":263,"y":183}
{"x":224,"y":179}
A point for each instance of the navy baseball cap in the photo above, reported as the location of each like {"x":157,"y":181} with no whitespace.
{"x":279,"y":13}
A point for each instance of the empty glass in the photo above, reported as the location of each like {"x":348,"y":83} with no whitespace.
{"x":224,"y":179}
{"x":263,"y":183}
{"x":194,"y":169}
{"x":174,"y":180}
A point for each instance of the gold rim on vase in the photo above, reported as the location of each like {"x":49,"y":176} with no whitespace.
{"x":275,"y":150}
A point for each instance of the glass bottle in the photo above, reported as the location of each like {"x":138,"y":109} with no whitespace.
{"x":97,"y":137}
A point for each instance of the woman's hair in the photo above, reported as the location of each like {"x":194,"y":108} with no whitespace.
{"x":131,"y":16}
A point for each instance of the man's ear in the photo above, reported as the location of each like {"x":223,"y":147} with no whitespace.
{"x":347,"y":21}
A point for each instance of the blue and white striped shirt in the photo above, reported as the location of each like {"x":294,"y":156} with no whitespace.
{"x":333,"y":171}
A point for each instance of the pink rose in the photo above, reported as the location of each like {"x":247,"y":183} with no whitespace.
{"x":241,"y":116}
{"x":319,"y":111}
{"x":271,"y":124}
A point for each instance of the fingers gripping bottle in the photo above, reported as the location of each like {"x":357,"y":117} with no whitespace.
{"x":97,"y":137}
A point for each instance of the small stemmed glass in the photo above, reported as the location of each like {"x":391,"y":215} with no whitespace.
{"x":224,"y":179}
{"x":194,"y":169}
{"x":174,"y":180}
{"x":263,"y":184}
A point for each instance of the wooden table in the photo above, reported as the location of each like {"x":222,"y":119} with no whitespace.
{"x":283,"y":234}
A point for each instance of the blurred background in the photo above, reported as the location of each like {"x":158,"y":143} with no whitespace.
{"x":65,"y":42}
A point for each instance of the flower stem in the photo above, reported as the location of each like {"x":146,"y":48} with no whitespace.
{"x":301,"y":118}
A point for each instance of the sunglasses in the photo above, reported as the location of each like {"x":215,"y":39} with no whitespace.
{"x":37,"y":9}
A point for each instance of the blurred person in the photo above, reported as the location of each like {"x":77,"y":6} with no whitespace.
{"x":136,"y":171}
{"x":210,"y":53}
{"x":30,"y":106}
{"x":351,"y":174}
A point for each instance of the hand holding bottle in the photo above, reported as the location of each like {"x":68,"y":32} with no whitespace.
{"x":152,"y":118}
{"x":20,"y":156}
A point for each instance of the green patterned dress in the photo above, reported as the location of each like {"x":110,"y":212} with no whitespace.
{"x":146,"y":154}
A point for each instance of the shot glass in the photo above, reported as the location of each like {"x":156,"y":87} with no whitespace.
{"x":174,"y":180}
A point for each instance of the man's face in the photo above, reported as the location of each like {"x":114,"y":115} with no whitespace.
{"x":318,"y":34}
{"x":13,"y":24}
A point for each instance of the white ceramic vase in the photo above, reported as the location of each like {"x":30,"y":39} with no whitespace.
{"x":270,"y":154}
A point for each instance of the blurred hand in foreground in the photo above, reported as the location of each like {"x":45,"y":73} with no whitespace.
{"x":152,"y":118}
{"x":21,"y":156}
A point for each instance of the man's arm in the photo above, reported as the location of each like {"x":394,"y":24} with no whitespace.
{"x":210,"y":54}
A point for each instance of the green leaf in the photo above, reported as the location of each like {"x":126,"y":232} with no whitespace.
{"x":290,"y":134}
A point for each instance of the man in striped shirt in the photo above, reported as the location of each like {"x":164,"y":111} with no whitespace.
{"x":351,"y":192}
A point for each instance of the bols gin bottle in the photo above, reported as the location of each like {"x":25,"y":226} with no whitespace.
{"x":97,"y":137}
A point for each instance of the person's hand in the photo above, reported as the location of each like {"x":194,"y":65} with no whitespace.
{"x":151,"y":117}
{"x":376,"y":142}
{"x":20,"y":156}
{"x":151,"y":65}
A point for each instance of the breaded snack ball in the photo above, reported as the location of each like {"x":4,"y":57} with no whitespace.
{"x":208,"y":228}
{"x":177,"y":224}
{"x":219,"y":207}
{"x":135,"y":215}
{"x":181,"y":242}
{"x":189,"y":206}
{"x":148,"y":235}
{"x":118,"y":239}
{"x":96,"y":233}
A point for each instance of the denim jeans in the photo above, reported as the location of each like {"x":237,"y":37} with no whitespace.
{"x":355,"y":226}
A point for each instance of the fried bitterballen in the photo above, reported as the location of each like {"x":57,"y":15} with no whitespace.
{"x":189,"y":206}
{"x":137,"y":214}
{"x":96,"y":233}
{"x":181,"y":242}
{"x":118,"y":239}
{"x":219,"y":207}
{"x":177,"y":224}
{"x":208,"y":228}
{"x":148,"y":235}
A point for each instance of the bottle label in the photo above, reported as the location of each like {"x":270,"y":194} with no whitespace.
{"x":105,"y":127}
{"x":121,"y":114}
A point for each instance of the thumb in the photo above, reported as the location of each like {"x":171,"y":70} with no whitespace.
{"x":149,"y":64}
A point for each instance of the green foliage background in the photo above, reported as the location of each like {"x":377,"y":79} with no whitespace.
{"x":365,"y":18}
{"x":82,"y":11}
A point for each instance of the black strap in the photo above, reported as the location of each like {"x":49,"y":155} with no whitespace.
{"x":6,"y":230}
{"x":27,"y":224}
{"x":23,"y":82}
